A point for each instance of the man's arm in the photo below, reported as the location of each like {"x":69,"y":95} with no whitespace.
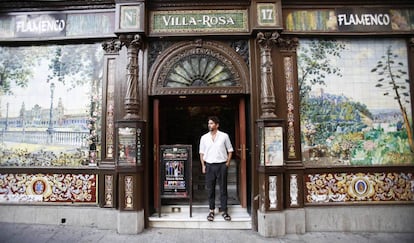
{"x":229,"y":148}
{"x":203,"y":164}
{"x":229,"y":154}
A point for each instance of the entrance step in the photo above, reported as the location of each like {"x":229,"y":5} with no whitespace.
{"x":178,"y":216}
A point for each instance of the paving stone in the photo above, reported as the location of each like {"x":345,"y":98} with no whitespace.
{"x":35,"y":233}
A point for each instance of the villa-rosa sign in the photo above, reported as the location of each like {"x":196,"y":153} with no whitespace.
{"x":202,"y":21}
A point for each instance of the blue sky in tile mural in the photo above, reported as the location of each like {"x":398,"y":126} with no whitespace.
{"x":33,"y":134}
{"x":349,"y":113}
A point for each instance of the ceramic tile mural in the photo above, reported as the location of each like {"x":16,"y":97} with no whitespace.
{"x":355,"y":102}
{"x":50,"y":99}
{"x":29,"y":188}
{"x":311,"y":20}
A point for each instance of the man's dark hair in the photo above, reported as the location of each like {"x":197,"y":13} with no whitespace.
{"x":215,"y":119}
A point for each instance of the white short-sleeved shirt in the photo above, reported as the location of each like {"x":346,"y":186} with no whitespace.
{"x":215,"y":151}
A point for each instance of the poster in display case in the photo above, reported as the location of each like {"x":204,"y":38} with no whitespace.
{"x":176,"y":170}
{"x":129,"y":144}
{"x":271,"y":144}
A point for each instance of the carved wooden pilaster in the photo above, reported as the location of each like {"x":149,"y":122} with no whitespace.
{"x":267,"y":41}
{"x":131,"y":104}
{"x":288,"y":48}
{"x":111,"y":48}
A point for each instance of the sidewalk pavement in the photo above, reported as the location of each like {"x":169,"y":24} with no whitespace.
{"x":22,"y":233}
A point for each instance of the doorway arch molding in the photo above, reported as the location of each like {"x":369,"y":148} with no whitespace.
{"x":228,"y":67}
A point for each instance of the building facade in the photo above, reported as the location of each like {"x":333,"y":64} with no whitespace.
{"x":103,"y":104}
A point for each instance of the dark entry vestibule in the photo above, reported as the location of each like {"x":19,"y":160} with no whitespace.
{"x":183,"y":120}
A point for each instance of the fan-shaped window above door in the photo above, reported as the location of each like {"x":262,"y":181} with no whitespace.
{"x":199,"y":70}
{"x":199,"y":67}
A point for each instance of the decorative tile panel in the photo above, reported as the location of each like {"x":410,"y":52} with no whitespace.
{"x":110,"y":99}
{"x":109,"y":191}
{"x":359,"y":187}
{"x":294,"y":190}
{"x":272,"y":192}
{"x":129,"y":192}
{"x":26,"y":188}
{"x":288,"y":66}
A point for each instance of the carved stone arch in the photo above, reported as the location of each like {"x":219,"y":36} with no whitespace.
{"x":199,"y":67}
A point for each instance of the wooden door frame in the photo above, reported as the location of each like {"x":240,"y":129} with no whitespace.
{"x":241,"y":130}
{"x":156,"y":140}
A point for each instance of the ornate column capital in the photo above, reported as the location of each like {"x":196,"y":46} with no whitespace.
{"x":289,"y":44}
{"x":131,"y":40}
{"x":411,"y":42}
{"x":267,"y":39}
{"x":112,"y":47}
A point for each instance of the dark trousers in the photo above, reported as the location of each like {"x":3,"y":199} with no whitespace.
{"x":216,"y":172}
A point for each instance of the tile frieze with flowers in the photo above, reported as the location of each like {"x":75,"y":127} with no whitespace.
{"x":46,"y":188}
{"x":359,"y":187}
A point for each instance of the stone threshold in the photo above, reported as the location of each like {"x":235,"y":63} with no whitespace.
{"x":178,"y":216}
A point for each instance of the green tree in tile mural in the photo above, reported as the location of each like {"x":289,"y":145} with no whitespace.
{"x":77,"y":65}
{"x":314,"y":65}
{"x":16,"y":68}
{"x":355,"y":102}
{"x":394,"y":83}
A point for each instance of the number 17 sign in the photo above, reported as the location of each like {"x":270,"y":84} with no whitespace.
{"x":268,"y":15}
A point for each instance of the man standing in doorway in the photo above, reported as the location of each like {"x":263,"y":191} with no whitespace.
{"x":215,"y":155}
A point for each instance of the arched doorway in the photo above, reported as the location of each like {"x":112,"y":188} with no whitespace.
{"x":188,"y":82}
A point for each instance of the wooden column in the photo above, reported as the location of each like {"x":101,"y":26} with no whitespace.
{"x":266,"y":42}
{"x":133,"y":44}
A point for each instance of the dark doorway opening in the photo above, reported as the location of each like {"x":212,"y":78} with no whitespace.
{"x":183,"y":120}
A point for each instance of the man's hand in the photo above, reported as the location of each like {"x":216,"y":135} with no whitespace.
{"x":203,"y":163}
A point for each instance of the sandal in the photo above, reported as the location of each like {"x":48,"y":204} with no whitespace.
{"x":226,"y":216}
{"x":210,"y":216}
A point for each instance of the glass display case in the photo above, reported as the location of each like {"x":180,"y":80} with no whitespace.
{"x":271,"y":161}
{"x":129,"y":143}
{"x":271,"y":143}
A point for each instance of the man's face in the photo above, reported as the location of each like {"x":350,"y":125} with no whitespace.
{"x":212,"y":126}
